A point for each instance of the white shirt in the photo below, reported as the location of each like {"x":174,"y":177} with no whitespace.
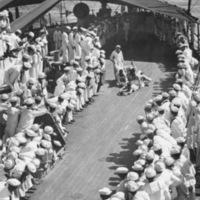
{"x":65,"y":40}
{"x":56,"y":36}
{"x":178,"y":127}
{"x":117,"y":57}
{"x":27,"y":118}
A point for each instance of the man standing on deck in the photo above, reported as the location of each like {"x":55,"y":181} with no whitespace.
{"x":117,"y":58}
{"x":126,"y":29}
{"x":65,"y":44}
{"x":56,"y":38}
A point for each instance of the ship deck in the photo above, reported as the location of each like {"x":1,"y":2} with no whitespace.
{"x":103,"y":136}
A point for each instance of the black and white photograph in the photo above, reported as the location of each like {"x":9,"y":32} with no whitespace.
{"x":99,"y":100}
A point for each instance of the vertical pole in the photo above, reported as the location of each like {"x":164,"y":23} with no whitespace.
{"x":61,"y":13}
{"x":189,"y":6}
{"x":17,"y":12}
{"x":198,"y":37}
{"x":50,"y":22}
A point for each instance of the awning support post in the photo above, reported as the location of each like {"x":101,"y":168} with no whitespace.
{"x":198,"y":37}
{"x":189,"y":6}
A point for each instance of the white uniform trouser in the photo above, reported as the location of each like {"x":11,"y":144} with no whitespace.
{"x":71,"y":53}
{"x":65,"y":55}
{"x":57,"y":44}
{"x":69,"y":115}
{"x":126,"y":35}
{"x":78,"y":51}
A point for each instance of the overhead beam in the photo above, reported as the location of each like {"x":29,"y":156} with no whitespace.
{"x":25,"y":2}
{"x":26,"y":20}
{"x":5,"y":4}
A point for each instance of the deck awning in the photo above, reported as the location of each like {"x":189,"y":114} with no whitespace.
{"x":26,"y":20}
{"x":160,"y":7}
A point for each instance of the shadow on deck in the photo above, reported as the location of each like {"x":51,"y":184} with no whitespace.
{"x":123,"y":158}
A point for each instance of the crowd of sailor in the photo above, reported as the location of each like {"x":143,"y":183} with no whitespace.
{"x":143,"y":21}
{"x":163,"y":165}
{"x":29,"y":149}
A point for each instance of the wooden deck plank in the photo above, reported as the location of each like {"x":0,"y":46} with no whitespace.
{"x":103,"y":135}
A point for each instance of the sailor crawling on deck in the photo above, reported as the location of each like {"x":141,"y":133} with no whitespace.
{"x":134,"y":74}
{"x":128,"y":89}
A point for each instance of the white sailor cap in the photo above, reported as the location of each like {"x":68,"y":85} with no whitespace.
{"x":48,"y":130}
{"x":26,"y":56}
{"x":83,"y":29}
{"x":93,"y":33}
{"x":122,"y":170}
{"x":42,"y":75}
{"x":102,"y":51}
{"x":132,"y":176}
{"x":137,"y":167}
{"x":137,"y":152}
{"x":77,"y":58}
{"x":36,"y":162}
{"x":4,"y":97}
{"x":13,"y":99}
{"x":46,"y":144}
{"x":150,"y":172}
{"x":175,"y":150}
{"x":31,"y":81}
{"x":139,"y":142}
{"x":118,"y":196}
{"x":150,"y":116}
{"x":180,"y":140}
{"x":31,"y":167}
{"x":184,"y":45}
{"x":144,"y":125}
{"x":105,"y":191}
{"x":172,"y":93}
{"x":9,"y":163}
{"x":118,"y":46}
{"x":150,"y":155}
{"x":182,"y":65}
{"x":141,"y":162}
{"x":30,"y":133}
{"x":68,"y":27}
{"x":193,"y":103}
{"x":18,"y":31}
{"x":57,"y":143}
{"x":67,"y":69}
{"x":157,"y":147}
{"x":31,"y":34}
{"x":159,"y":166}
{"x":4,"y":13}
{"x":74,"y":28}
{"x":87,"y":58}
{"x":165,"y":95}
{"x":196,"y":97}
{"x":178,"y":52}
{"x":40,"y":152}
{"x":176,"y":87}
{"x":47,"y":137}
{"x":27,"y":65}
{"x":131,"y":186}
{"x":168,"y":161}
{"x":158,"y":98}
{"x":174,"y":109}
{"x":177,"y":102}
{"x":79,"y":69}
{"x":13,"y":182}
{"x":29,"y":101}
{"x":140,"y":118}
